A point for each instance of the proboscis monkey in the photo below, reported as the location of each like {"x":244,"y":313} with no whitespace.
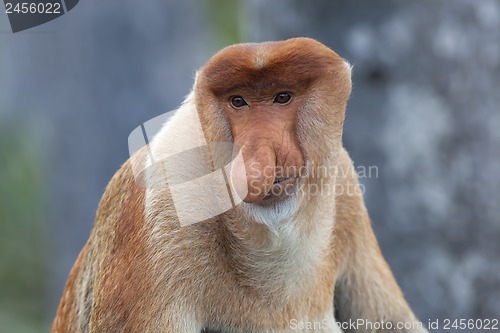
{"x":297,"y":255}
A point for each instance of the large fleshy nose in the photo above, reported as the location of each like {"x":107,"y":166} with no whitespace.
{"x":260,"y":165}
{"x":265,"y":162}
{"x":269,"y":147}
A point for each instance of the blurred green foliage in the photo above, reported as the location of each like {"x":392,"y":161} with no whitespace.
{"x":23,"y":247}
{"x":225,"y":16}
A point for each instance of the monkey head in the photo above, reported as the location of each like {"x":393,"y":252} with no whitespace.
{"x":282,"y":103}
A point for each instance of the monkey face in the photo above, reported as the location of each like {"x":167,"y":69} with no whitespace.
{"x":263,"y":125}
{"x":281,"y":103}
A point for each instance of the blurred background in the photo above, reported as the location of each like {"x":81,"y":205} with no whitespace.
{"x":424,"y":110}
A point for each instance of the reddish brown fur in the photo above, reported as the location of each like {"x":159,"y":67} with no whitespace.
{"x":292,"y":66}
{"x":142,"y":272}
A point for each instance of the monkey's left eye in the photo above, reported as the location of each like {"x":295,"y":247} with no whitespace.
{"x":282,"y":98}
{"x":238,"y":102}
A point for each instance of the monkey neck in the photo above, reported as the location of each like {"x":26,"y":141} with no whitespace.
{"x":280,"y":258}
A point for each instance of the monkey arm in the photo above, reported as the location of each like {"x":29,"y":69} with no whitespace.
{"x":365,"y":287}
{"x":77,"y":304}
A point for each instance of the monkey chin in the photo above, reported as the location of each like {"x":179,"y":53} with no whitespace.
{"x":280,"y":204}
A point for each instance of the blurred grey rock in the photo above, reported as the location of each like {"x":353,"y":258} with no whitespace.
{"x":424,"y":110}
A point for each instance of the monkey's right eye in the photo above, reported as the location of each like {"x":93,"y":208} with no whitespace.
{"x":238,"y":102}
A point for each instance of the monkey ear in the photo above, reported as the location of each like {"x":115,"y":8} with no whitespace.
{"x":349,"y":66}
{"x":348,"y":77}
{"x":196,"y":76}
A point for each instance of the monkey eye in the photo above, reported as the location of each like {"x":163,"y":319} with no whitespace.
{"x":238,"y":102}
{"x":282,"y":98}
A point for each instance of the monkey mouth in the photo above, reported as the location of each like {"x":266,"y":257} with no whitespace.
{"x":280,"y":180}
{"x":282,"y":188}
